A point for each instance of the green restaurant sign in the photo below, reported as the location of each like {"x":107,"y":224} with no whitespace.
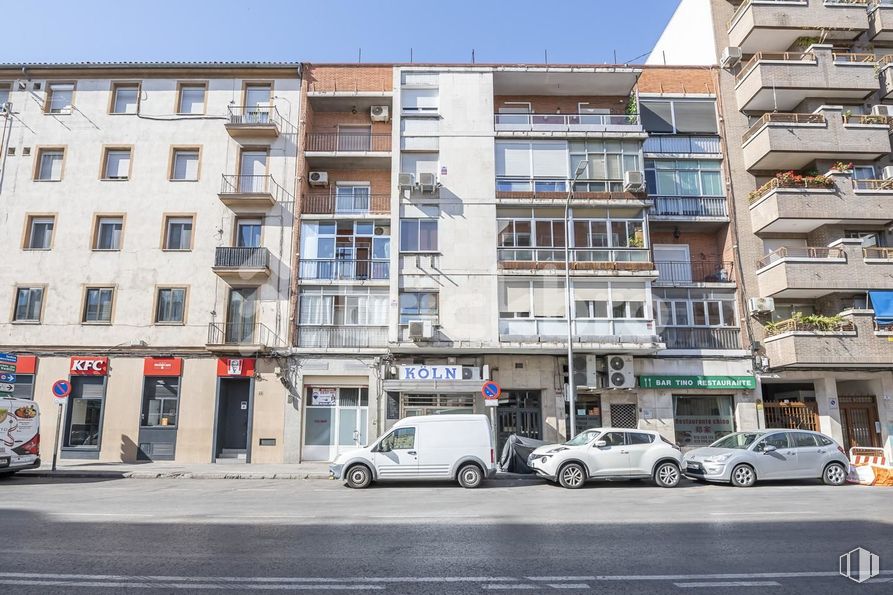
{"x":699,"y":382}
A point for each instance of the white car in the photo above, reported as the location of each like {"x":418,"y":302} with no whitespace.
{"x":445,"y":447}
{"x":609,"y":453}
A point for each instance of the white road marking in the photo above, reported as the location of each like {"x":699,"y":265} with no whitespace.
{"x":167,"y":585}
{"x":569,"y":585}
{"x":765,"y":513}
{"x":262,"y":579}
{"x":691,"y":577}
{"x":507,"y":586}
{"x":730,"y":584}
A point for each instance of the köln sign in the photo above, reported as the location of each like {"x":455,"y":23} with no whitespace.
{"x":422,"y":372}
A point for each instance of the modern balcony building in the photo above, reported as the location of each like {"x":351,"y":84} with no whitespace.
{"x":148,"y":211}
{"x":804,"y":87}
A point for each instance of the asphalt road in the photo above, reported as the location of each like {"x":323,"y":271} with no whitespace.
{"x":183,"y":535}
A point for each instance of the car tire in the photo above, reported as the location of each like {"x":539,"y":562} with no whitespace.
{"x":470,"y":476}
{"x":743,"y":476}
{"x":572,"y":476}
{"x":667,"y":475}
{"x":359,"y":477}
{"x":834,"y":474}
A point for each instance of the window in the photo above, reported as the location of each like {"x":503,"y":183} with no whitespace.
{"x":59,"y":98}
{"x":683,"y":177}
{"x":330,"y":306}
{"x":171,"y":305}
{"x":778,"y":440}
{"x":607,"y":161}
{"x":108,"y":233}
{"x":191,"y":99}
{"x":678,"y":116}
{"x":24,"y":387}
{"x":39,"y":232}
{"x":399,"y":439}
{"x":418,"y":235}
{"x":804,"y":440}
{"x":639,"y":438}
{"x":420,"y":100}
{"x":248,"y":232}
{"x":160,"y":395}
{"x":418,"y":306}
{"x":542,"y":298}
{"x":98,"y":304}
{"x":526,"y":166}
{"x":116,"y":164}
{"x":125,"y":98}
{"x":5,"y":89}
{"x":258,"y":94}
{"x":702,"y":420}
{"x":694,"y":307}
{"x":184,"y":165}
{"x":49,"y":164}
{"x":178,"y":233}
{"x":83,"y":423}
{"x":612,"y":438}
{"x":29,"y":304}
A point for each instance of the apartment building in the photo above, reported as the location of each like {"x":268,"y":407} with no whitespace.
{"x":148,"y":212}
{"x":805,"y":98}
{"x":431,"y":252}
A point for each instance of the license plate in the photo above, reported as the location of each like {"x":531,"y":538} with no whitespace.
{"x":19,"y":460}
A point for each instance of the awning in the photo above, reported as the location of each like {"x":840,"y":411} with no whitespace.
{"x":882,"y":302}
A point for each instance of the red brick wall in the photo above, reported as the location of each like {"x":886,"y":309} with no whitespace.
{"x":349,"y":78}
{"x":659,"y":79}
{"x":329,"y":121}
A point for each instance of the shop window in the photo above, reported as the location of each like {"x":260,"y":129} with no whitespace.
{"x":24,"y":387}
{"x":84,"y":419}
{"x":160,"y":402}
{"x":702,"y":420}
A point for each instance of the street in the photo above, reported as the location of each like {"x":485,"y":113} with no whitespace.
{"x":164,"y":536}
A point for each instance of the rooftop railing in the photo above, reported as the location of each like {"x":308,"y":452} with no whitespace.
{"x":568,"y":122}
{"x":331,"y":142}
{"x":802,"y":252}
{"x":349,"y":204}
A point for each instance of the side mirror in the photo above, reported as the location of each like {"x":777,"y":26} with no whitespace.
{"x":769,"y":448}
{"x":600,"y":443}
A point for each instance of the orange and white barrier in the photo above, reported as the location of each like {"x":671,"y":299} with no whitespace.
{"x":868,"y":466}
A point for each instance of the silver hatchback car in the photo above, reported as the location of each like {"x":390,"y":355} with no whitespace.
{"x":744,"y":458}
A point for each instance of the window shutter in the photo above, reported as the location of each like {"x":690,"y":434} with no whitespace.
{"x":513,"y":159}
{"x":550,"y":160}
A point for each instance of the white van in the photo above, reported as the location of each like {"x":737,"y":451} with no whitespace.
{"x":456,"y":447}
{"x":19,"y":435}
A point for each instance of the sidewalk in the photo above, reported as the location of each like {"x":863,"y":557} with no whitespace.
{"x":91,"y":469}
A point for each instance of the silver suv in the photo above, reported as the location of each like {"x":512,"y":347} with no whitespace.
{"x":743,"y":458}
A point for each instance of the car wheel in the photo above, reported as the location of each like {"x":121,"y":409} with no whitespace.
{"x":743,"y":476}
{"x":834,"y":475}
{"x":359,"y":477}
{"x":470,"y":476}
{"x":572,"y":476}
{"x":667,"y":475}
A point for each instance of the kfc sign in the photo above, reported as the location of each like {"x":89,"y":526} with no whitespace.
{"x":235,"y":367}
{"x":89,"y":366}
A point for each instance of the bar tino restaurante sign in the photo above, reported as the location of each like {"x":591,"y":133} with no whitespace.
{"x":699,"y":382}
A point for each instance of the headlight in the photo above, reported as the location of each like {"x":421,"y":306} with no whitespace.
{"x":718,"y":458}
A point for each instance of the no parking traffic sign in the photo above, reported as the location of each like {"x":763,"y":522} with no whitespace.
{"x":61,"y":389}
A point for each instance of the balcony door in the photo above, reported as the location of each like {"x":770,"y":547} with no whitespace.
{"x":240,"y":315}
{"x":248,"y":232}
{"x":352,"y":198}
{"x":354,"y":138}
{"x":672,"y":262}
{"x":253,"y":171}
{"x":257,"y":102}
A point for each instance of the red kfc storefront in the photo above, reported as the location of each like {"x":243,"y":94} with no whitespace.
{"x":160,"y":408}
{"x":235,"y":404}
{"x":82,"y":433}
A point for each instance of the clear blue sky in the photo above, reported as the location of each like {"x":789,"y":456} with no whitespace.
{"x":331,"y":30}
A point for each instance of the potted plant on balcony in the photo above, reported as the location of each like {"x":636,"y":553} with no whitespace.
{"x":841,"y":168}
{"x":632,"y":109}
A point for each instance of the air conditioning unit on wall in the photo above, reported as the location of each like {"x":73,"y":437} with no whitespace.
{"x":419,"y":330}
{"x":379,"y":113}
{"x":730,"y":56}
{"x":586,"y":371}
{"x":760,"y":305}
{"x":633,"y":181}
{"x":318,"y":178}
{"x":620,"y":371}
{"x":427,"y":182}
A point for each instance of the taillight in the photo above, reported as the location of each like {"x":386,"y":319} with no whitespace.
{"x":492,"y":456}
{"x":32,"y":447}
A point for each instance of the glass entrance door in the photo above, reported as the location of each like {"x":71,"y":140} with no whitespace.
{"x":336,"y":419}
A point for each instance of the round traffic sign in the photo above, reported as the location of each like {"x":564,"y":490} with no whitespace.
{"x":491,"y":390}
{"x":61,"y":389}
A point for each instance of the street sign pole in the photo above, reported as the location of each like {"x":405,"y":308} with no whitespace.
{"x":491,"y":391}
{"x":56,"y":441}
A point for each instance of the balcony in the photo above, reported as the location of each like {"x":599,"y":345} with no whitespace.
{"x":800,"y":207}
{"x":319,"y":269}
{"x":240,"y":192}
{"x":853,"y":342}
{"x":333,"y":337}
{"x":564,"y":125}
{"x":701,"y":337}
{"x":780,"y":141}
{"x":673,"y":144}
{"x":694,"y":273}
{"x":689,"y":208}
{"x":243,"y":337}
{"x":332,"y":150}
{"x":880,"y":21}
{"x":809,"y":272}
{"x":628,"y":335}
{"x":774,"y":25}
{"x":348,"y":205}
{"x":242,"y":265}
{"x":255,"y":121}
{"x":542,"y":191}
{"x":607,"y":261}
{"x":772,"y":81}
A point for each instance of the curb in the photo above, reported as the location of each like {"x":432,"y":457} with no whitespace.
{"x":66,"y":474}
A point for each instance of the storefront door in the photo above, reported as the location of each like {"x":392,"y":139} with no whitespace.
{"x":158,"y":420}
{"x":233,"y":410}
{"x":83,"y":420}
{"x":859,"y":421}
{"x":336,"y":419}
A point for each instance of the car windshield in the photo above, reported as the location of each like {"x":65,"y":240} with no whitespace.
{"x":582,"y":438}
{"x":740,"y":440}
